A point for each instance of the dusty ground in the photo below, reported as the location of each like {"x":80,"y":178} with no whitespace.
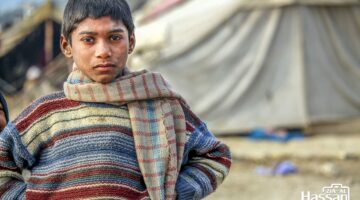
{"x":329,"y":157}
{"x":244,"y":183}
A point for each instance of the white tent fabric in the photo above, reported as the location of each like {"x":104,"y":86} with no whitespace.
{"x":241,"y":68}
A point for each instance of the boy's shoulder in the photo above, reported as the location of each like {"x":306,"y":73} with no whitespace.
{"x":44,"y":105}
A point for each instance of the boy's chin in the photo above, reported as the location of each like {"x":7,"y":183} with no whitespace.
{"x":104,"y":80}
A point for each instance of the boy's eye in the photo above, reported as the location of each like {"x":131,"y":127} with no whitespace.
{"x":88,"y":39}
{"x":115,"y":37}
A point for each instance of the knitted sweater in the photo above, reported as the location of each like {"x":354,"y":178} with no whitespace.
{"x":77,"y":150}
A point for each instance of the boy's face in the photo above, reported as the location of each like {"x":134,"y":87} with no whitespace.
{"x":2,"y":118}
{"x":99,"y":48}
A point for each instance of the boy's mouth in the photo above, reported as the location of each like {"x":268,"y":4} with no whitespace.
{"x":105,"y":67}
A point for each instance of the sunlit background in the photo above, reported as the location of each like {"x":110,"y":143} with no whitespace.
{"x":277,"y":80}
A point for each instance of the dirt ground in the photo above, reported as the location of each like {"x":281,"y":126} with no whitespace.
{"x":244,"y":183}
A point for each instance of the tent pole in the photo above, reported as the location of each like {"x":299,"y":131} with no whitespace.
{"x":302,"y":61}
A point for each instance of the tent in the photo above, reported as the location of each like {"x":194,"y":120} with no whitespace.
{"x":33,"y":41}
{"x":272,"y":63}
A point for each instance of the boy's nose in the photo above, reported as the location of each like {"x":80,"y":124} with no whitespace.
{"x":103,"y":50}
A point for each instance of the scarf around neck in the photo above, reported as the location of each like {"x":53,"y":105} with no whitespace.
{"x":157,"y":121}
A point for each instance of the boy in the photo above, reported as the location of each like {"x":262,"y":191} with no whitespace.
{"x":4,"y":114}
{"x":111,"y":134}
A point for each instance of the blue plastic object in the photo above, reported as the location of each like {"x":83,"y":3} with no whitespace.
{"x":285,"y":168}
{"x":281,"y":169}
{"x":284,"y":136}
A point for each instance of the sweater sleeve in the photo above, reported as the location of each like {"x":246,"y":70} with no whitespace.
{"x":206,"y":162}
{"x":13,"y":158}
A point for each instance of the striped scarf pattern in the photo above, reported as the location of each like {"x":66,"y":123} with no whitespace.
{"x":158,"y":125}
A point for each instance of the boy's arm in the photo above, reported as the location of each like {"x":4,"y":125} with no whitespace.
{"x":13,"y":158}
{"x":206,"y":162}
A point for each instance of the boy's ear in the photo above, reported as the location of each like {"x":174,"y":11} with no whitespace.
{"x":132,"y":42}
{"x":65,"y":47}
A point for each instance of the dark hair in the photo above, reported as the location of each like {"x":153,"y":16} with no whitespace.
{"x":78,"y":10}
{"x":5,"y":108}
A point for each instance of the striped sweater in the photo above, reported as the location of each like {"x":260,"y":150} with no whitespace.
{"x":77,"y":150}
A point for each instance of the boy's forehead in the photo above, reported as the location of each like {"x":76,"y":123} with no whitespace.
{"x":102,"y":21}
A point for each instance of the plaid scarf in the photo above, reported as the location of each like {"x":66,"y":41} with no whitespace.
{"x":158,"y":125}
